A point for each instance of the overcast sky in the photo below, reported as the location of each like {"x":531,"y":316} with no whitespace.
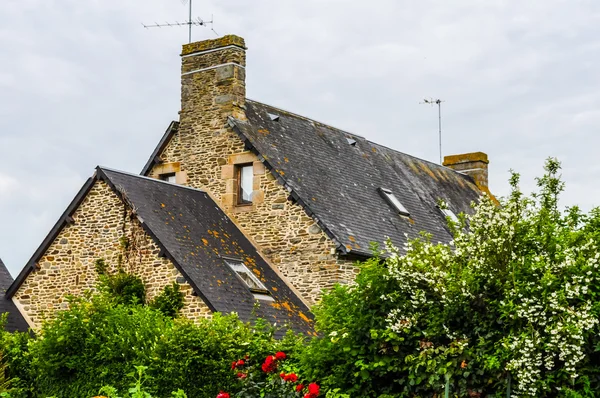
{"x":82,"y":84}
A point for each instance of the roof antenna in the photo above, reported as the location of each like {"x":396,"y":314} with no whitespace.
{"x":189,"y":23}
{"x":437,"y":102}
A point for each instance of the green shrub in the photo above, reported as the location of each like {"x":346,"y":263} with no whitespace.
{"x":93,"y":343}
{"x":170,"y":301}
{"x":514,"y":299}
{"x":197,"y":357}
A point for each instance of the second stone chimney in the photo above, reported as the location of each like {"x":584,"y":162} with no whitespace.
{"x":474,"y":164}
{"x":213,"y":83}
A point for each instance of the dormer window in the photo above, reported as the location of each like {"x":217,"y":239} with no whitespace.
{"x":169,"y":177}
{"x":393,"y":201}
{"x":247,"y":276}
{"x":245,"y":174}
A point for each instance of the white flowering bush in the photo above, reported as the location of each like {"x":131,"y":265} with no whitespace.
{"x":510,"y":305}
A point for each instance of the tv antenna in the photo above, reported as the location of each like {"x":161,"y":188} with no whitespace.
{"x":437,"y":102}
{"x":189,"y":23}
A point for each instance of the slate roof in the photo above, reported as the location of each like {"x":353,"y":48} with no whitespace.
{"x":335,"y":176}
{"x":16,"y":322}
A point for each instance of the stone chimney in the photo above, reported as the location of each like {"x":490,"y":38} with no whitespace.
{"x":474,"y":164}
{"x":213,"y":83}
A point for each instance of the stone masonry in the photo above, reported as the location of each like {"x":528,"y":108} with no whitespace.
{"x":67,"y":268}
{"x":205,"y":153}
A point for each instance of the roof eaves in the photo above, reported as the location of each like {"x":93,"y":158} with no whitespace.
{"x":248,"y":144}
{"x":163,"y":249}
{"x":155,"y":157}
{"x":64,"y":219}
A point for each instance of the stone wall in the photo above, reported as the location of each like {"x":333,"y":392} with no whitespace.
{"x":67,"y":266}
{"x":206,"y":151}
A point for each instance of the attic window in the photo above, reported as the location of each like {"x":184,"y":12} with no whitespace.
{"x":449,"y":213}
{"x":169,"y":177}
{"x":393,"y":201}
{"x":274,"y":118}
{"x":249,"y":279}
{"x":351,"y":141}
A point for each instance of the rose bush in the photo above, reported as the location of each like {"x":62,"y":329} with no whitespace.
{"x":275,"y":378}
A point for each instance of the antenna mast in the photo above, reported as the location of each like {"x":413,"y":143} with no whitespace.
{"x":437,"y":102}
{"x":189,"y":23}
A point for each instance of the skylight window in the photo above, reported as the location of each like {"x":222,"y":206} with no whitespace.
{"x":393,"y":201}
{"x":449,"y":213}
{"x":247,"y":276}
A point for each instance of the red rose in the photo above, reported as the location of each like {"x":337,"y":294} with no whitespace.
{"x":280,"y":356}
{"x":240,"y":362}
{"x":223,"y":395}
{"x":313,"y":388}
{"x":241,"y":375}
{"x":292,"y":377}
{"x":282,"y":375}
{"x":269,"y":365}
{"x":299,"y":387}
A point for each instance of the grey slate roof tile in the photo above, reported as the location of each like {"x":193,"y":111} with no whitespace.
{"x":16,"y":322}
{"x":335,"y":175}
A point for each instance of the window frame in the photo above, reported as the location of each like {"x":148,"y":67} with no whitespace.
{"x":165,"y":177}
{"x":394,"y":202}
{"x":447,"y":212}
{"x":239,"y":168}
{"x":232,"y":263}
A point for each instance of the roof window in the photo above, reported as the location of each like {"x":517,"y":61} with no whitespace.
{"x":273,"y":117}
{"x":351,"y":141}
{"x":247,"y":276}
{"x":449,"y":213}
{"x":393,"y":201}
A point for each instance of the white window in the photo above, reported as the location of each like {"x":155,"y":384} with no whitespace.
{"x":393,"y":201}
{"x":245,"y":183}
{"x":253,"y":283}
{"x":168,"y":177}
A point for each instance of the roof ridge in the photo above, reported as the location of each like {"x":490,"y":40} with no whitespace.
{"x":307,"y":118}
{"x":149,"y":178}
{"x":354,"y":134}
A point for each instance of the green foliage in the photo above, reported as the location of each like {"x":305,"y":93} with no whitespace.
{"x":196,"y":357}
{"x":92,"y":344}
{"x":98,"y":340}
{"x":170,"y":301}
{"x":137,"y":390}
{"x":122,"y":287}
{"x":516,"y":296}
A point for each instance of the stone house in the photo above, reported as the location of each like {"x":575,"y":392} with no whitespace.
{"x":14,"y":321}
{"x":164,"y":233}
{"x":305,"y":201}
{"x":312,"y":197}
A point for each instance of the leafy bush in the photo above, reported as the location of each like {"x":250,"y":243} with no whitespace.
{"x":122,"y":287}
{"x":195,"y":357}
{"x":93,"y":343}
{"x":170,"y":301}
{"x":98,"y":340}
{"x":514,"y":299}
